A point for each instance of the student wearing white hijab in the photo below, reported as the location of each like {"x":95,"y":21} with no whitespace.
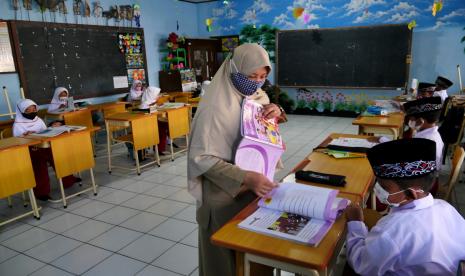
{"x":59,"y":100}
{"x":136,"y":91}
{"x":149,"y":97}
{"x":27,"y":122}
{"x":221,"y":188}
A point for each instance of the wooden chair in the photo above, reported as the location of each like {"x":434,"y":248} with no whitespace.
{"x":6,"y":132}
{"x":445,"y":191}
{"x":178,"y":126}
{"x":182,"y":99}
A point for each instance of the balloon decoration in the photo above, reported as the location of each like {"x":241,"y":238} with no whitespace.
{"x":208,"y":23}
{"x":307,"y":18}
{"x":412,"y":24}
{"x":297,"y":12}
{"x":437,"y":7}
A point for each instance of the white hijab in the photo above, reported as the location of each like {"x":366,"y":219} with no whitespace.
{"x":22,"y":124}
{"x":134,"y":94}
{"x":216,"y":126}
{"x":150,"y":96}
{"x":55,"y":104}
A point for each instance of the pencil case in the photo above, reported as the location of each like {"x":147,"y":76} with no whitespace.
{"x":322,"y":178}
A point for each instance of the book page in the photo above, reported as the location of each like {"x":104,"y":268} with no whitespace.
{"x":352,"y":142}
{"x":305,"y":200}
{"x":258,"y":128}
{"x":285,"y":225}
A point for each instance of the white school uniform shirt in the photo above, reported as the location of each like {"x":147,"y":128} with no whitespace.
{"x":21,"y":124}
{"x":423,"y":237}
{"x":442,"y":94}
{"x":432,"y":134}
{"x":149,"y":97}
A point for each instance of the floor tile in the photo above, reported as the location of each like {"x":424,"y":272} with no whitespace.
{"x":13,"y":229}
{"x":163,"y":191}
{"x":116,"y":265}
{"x":146,"y":248}
{"x":171,"y":259}
{"x":183,"y":196}
{"x":150,"y":270}
{"x":192,"y":239}
{"x":50,"y":271}
{"x":115,"y":238}
{"x":143,"y":222}
{"x":116,"y":215}
{"x":117,"y":197}
{"x":28,"y":239}
{"x":119,"y":182}
{"x":6,"y":253}
{"x":158,"y":177}
{"x":87,"y":230}
{"x":52,"y":249}
{"x":187,"y":214}
{"x":81,"y":259}
{"x":196,"y":273}
{"x":62,"y":223}
{"x":140,"y":187}
{"x":92,"y":209}
{"x":141,"y":202}
{"x":46,"y":214}
{"x":173,"y":229}
{"x":167,"y":207}
{"x":20,"y":265}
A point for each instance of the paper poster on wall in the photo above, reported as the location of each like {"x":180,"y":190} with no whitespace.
{"x":120,"y":82}
{"x":7,"y":63}
{"x":188,"y":81}
{"x":134,"y":61}
{"x":136,"y":74}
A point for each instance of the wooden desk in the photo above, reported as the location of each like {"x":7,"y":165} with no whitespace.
{"x":82,"y":117}
{"x":72,"y":153}
{"x":16,"y":173}
{"x":391,"y":124}
{"x":144,"y":134}
{"x":281,"y":253}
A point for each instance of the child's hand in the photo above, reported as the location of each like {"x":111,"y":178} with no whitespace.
{"x":354,"y":212}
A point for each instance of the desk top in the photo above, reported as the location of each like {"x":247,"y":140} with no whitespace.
{"x":42,"y":139}
{"x":393,"y":120}
{"x":359,"y":176}
{"x":104,"y":105}
{"x":233,"y":237}
{"x":128,"y":116}
{"x":12,"y":142}
{"x":6,"y":123}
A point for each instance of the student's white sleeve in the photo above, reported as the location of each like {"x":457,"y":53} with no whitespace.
{"x":384,"y":139}
{"x":371,"y":253}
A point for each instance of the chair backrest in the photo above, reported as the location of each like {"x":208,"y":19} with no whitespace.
{"x":119,"y":108}
{"x":178,"y":122}
{"x":79,"y":118}
{"x":457,"y":161}
{"x":6,"y":132}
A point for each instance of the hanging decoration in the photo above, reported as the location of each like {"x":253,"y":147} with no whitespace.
{"x":16,"y":8}
{"x":412,"y":24}
{"x":136,"y":12}
{"x":437,"y":7}
{"x":307,"y":18}
{"x":27,"y":4}
{"x":208,"y":23}
{"x":297,"y":12}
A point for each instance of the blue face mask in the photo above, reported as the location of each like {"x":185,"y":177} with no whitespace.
{"x":243,"y":84}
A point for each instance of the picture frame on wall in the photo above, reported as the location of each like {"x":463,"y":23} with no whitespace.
{"x":7,"y":63}
{"x":228,"y":42}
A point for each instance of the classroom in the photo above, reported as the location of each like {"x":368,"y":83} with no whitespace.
{"x":232,"y":137}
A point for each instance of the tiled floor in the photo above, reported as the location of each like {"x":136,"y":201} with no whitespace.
{"x":136,"y":225}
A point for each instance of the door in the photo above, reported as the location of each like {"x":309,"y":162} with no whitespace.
{"x":202,"y":55}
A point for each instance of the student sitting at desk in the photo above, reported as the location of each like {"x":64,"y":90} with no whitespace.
{"x":441,"y":87}
{"x":59,"y":100}
{"x":149,"y":97}
{"x":420,"y":235}
{"x":27,"y":122}
{"x":425,"y":90}
{"x":136,"y":91}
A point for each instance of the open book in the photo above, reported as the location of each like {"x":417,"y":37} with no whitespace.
{"x":297,"y":212}
{"x":351,"y":144}
{"x":262,"y":145}
{"x":55,"y":131}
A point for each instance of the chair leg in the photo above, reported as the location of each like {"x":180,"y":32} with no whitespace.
{"x":157,"y":156}
{"x":172,"y":151}
{"x":62,"y":190}
{"x":10,"y":204}
{"x":34,"y":206}
{"x":136,"y":156}
{"x":23,"y":196}
{"x":109,"y":133}
{"x":94,"y":187}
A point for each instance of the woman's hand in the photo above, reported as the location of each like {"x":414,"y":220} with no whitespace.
{"x":271,"y":111}
{"x":258,"y":183}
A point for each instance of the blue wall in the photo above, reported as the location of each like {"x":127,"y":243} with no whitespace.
{"x":436,"y":40}
{"x":158,"y":18}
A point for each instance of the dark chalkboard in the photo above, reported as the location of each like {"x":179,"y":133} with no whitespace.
{"x":359,"y":57}
{"x":82,"y":58}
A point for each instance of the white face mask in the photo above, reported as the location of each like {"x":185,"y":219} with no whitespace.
{"x":383,"y":195}
{"x":413,"y":124}
{"x":63,"y":99}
